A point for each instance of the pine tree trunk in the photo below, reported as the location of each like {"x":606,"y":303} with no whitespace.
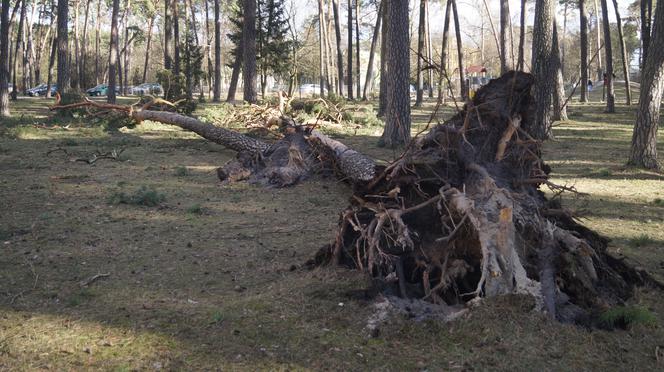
{"x":148,"y":44}
{"x":444,"y":77}
{"x":74,"y":62}
{"x":249,"y":51}
{"x":63,"y":46}
{"x":429,"y":48}
{"x":382,"y":93}
{"x":17,"y":46}
{"x":646,"y":17}
{"x":97,"y":43}
{"x":544,"y":72}
{"x":368,"y":82}
{"x":51,"y":62}
{"x":350,"y":49}
{"x":420,"y":53}
{"x":397,"y":116}
{"x":113,"y":53}
{"x":463,"y":88}
{"x":358,"y":87}
{"x":4,"y":59}
{"x":504,"y":26}
{"x":559,"y":111}
{"x":340,"y":58}
{"x":583,"y":18}
{"x":321,"y":48}
{"x":643,"y":151}
{"x":176,"y":38}
{"x":84,"y":43}
{"x":217,"y":55}
{"x":599,"y":43}
{"x":608,"y":80}
{"x":522,"y":36}
{"x":623,"y":54}
{"x":168,"y":34}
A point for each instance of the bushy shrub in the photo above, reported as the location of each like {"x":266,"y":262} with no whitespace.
{"x":144,"y":195}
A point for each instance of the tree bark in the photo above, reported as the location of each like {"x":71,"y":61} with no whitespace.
{"x":608,"y":80}
{"x":148,"y":44}
{"x":522,"y":36}
{"x":176,"y":37}
{"x":545,"y":74}
{"x":444,"y":74}
{"x":643,"y":152}
{"x":168,"y":34}
{"x":340,"y":58}
{"x":113,"y":53}
{"x":97,"y":43}
{"x":63,"y":46}
{"x":646,"y":18}
{"x":462,"y":73}
{"x":599,"y":42}
{"x":368,"y":82}
{"x":249,"y":51}
{"x":420,"y":54}
{"x":382,"y":92}
{"x":559,"y":108}
{"x":583,"y":18}
{"x":504,"y":29}
{"x":4,"y":59}
{"x":84,"y":42}
{"x":623,"y":53}
{"x":18,"y":45}
{"x":357,"y":50}
{"x":51,"y":62}
{"x":321,"y":48}
{"x":217,"y":53}
{"x":350,"y":49}
{"x":397,"y":116}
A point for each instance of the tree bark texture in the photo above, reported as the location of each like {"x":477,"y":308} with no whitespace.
{"x":583,"y":18}
{"x":249,"y":51}
{"x":113,"y":53}
{"x":63,"y":47}
{"x":608,"y":77}
{"x":543,"y":69}
{"x":4,"y":59}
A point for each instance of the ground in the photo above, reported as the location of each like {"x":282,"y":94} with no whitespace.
{"x":212,"y":277}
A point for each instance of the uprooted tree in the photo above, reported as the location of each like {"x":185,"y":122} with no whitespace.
{"x":457,"y":217}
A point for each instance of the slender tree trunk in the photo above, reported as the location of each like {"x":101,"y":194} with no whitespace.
{"x":84,"y":42}
{"x":420,"y":52}
{"x":217,"y":56}
{"x":357,"y":50}
{"x":350,"y":49}
{"x":623,"y":54}
{"x":559,"y":111}
{"x":98,"y":78}
{"x":493,"y":28}
{"x":382,"y":93}
{"x":235,"y":75}
{"x":63,"y":46}
{"x":18,"y":45}
{"x":249,"y":51}
{"x":562,"y":40}
{"x":544,"y":72}
{"x":429,"y":50}
{"x":522,"y":36}
{"x":148,"y":44}
{"x":368,"y":82}
{"x":340,"y":59}
{"x":462,"y":73}
{"x":608,"y":81}
{"x":42,"y":39}
{"x":444,"y":77}
{"x":599,"y":43}
{"x":168,"y":34}
{"x":643,"y":151}
{"x":176,"y":37}
{"x":51,"y":62}
{"x":397,"y":116}
{"x":74,"y":62}
{"x":208,"y":41}
{"x":28,"y":52}
{"x":646,"y":18}
{"x":4,"y":59}
{"x":321,"y":48}
{"x":113,"y":53}
{"x":583,"y":17}
{"x":504,"y":27}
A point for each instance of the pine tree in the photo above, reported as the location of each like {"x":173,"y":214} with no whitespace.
{"x":192,"y":62}
{"x":273,"y":48}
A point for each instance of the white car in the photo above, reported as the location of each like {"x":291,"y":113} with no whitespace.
{"x":147,"y":88}
{"x":310,"y":89}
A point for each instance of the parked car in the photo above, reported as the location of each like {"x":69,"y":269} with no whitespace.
{"x":100,"y":90}
{"x":310,"y":89}
{"x":10,"y":87}
{"x":42,"y":92}
{"x":147,"y":88}
{"x":33,"y":92}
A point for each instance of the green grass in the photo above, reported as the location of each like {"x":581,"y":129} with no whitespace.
{"x":627,"y":316}
{"x":641,"y":241}
{"x":144,"y":195}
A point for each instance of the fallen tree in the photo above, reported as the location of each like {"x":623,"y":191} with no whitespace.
{"x":457,"y":217}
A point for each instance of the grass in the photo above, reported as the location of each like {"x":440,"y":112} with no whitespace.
{"x":144,"y":195}
{"x":641,"y":241}
{"x":627,"y":316}
{"x":217,"y":291}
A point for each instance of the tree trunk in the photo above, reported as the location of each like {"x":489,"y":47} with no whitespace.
{"x":643,"y":151}
{"x":168,"y":34}
{"x":97,"y":43}
{"x":623,"y":54}
{"x":357,"y":50}
{"x":583,"y":17}
{"x":350,"y":49}
{"x":608,"y":80}
{"x":217,"y":55}
{"x":368,"y":82}
{"x":599,"y":43}
{"x":559,"y":110}
{"x":176,"y":37}
{"x":84,"y":42}
{"x":382,"y":92}
{"x":4,"y":59}
{"x":463,"y":87}
{"x":249,"y":51}
{"x":444,"y":77}
{"x":74,"y":63}
{"x":646,"y":19}
{"x":321,"y":48}
{"x":421,"y":34}
{"x":113,"y":53}
{"x":493,"y":28}
{"x":148,"y":44}
{"x":397,"y":116}
{"x":17,"y":46}
{"x":51,"y":62}
{"x":544,"y":72}
{"x":429,"y":50}
{"x":340,"y":58}
{"x":504,"y":27}
{"x":63,"y":46}
{"x":522,"y":36}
